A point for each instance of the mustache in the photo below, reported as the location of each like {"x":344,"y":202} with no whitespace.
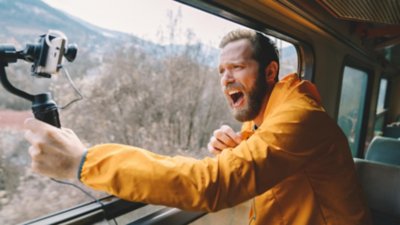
{"x":232,"y":86}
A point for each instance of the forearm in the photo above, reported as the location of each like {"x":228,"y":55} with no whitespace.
{"x":138,"y":175}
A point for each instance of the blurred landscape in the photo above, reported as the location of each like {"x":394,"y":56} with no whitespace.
{"x":163,"y":98}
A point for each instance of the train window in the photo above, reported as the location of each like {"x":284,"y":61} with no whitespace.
{"x":154,"y":85}
{"x":351,"y":108}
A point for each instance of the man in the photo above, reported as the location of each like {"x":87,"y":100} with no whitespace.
{"x":290,"y":157}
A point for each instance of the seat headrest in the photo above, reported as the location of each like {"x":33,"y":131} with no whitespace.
{"x":384,"y":149}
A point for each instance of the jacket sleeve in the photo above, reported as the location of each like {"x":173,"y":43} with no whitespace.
{"x":277,"y":149}
{"x":138,"y":175}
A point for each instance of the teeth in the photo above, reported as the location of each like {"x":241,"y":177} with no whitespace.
{"x":233,"y":92}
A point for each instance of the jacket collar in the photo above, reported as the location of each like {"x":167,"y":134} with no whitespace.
{"x":282,"y":92}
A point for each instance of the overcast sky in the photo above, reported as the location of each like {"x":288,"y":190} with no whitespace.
{"x":144,"y":17}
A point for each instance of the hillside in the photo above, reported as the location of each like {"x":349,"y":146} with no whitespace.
{"x":24,"y":20}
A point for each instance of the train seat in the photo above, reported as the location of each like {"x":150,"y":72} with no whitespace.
{"x":381,"y":185}
{"x":392,"y":131}
{"x":385,"y":150}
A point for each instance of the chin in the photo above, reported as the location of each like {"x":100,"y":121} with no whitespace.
{"x":242,"y":115}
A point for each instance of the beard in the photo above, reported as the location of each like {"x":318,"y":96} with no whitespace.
{"x":255,"y":98}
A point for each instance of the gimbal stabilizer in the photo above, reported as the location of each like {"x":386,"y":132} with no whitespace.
{"x":46,"y":57}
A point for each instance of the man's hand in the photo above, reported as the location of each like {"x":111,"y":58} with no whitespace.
{"x":222,"y":138}
{"x":55,"y":152}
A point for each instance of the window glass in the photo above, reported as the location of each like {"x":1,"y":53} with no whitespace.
{"x":287,"y":57}
{"x":351,"y":109}
{"x":148,"y":76}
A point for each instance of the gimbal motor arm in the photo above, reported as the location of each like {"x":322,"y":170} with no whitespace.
{"x":43,"y":107}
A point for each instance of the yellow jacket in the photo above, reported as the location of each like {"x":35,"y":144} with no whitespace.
{"x":297,"y":166}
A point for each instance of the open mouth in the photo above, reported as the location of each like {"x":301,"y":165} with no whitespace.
{"x":236,"y":97}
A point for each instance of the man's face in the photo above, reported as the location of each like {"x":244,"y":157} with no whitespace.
{"x":243,"y":85}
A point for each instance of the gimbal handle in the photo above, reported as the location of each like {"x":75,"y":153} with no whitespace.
{"x":45,"y":109}
{"x":43,"y":106}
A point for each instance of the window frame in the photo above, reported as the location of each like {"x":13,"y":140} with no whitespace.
{"x":355,"y":63}
{"x":109,"y":208}
{"x":113,"y":207}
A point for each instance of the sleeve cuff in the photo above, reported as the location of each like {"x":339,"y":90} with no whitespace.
{"x":83,"y":159}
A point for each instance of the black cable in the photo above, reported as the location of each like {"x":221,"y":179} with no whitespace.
{"x":80,"y":96}
{"x":87,"y":194}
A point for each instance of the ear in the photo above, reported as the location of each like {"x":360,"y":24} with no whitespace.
{"x":271,"y":71}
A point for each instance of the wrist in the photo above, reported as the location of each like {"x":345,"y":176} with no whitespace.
{"x":80,"y":166}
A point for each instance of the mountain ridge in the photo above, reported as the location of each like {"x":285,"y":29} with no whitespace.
{"x":24,"y":20}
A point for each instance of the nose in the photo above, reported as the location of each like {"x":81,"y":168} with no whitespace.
{"x":226,"y":78}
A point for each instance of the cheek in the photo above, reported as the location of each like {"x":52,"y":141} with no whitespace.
{"x":248,"y":83}
{"x":221,"y":82}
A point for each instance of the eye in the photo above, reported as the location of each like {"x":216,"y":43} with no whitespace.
{"x":238,"y":67}
{"x":221,"y":71}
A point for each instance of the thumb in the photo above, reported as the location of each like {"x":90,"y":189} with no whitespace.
{"x":238,"y":137}
{"x":35,"y":125}
{"x":29,"y":123}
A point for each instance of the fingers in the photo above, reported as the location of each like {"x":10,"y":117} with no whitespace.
{"x":228,"y":131}
{"x":216,"y":144}
{"x":37,"y":159}
{"x":54,"y":152}
{"x":40,"y":128}
{"x":29,"y":136}
{"x":69,"y":131}
{"x":34,"y":124}
{"x":224,"y":137}
{"x":37,"y":133}
{"x":213,"y":150}
{"x":37,"y":151}
{"x":34,"y":152}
